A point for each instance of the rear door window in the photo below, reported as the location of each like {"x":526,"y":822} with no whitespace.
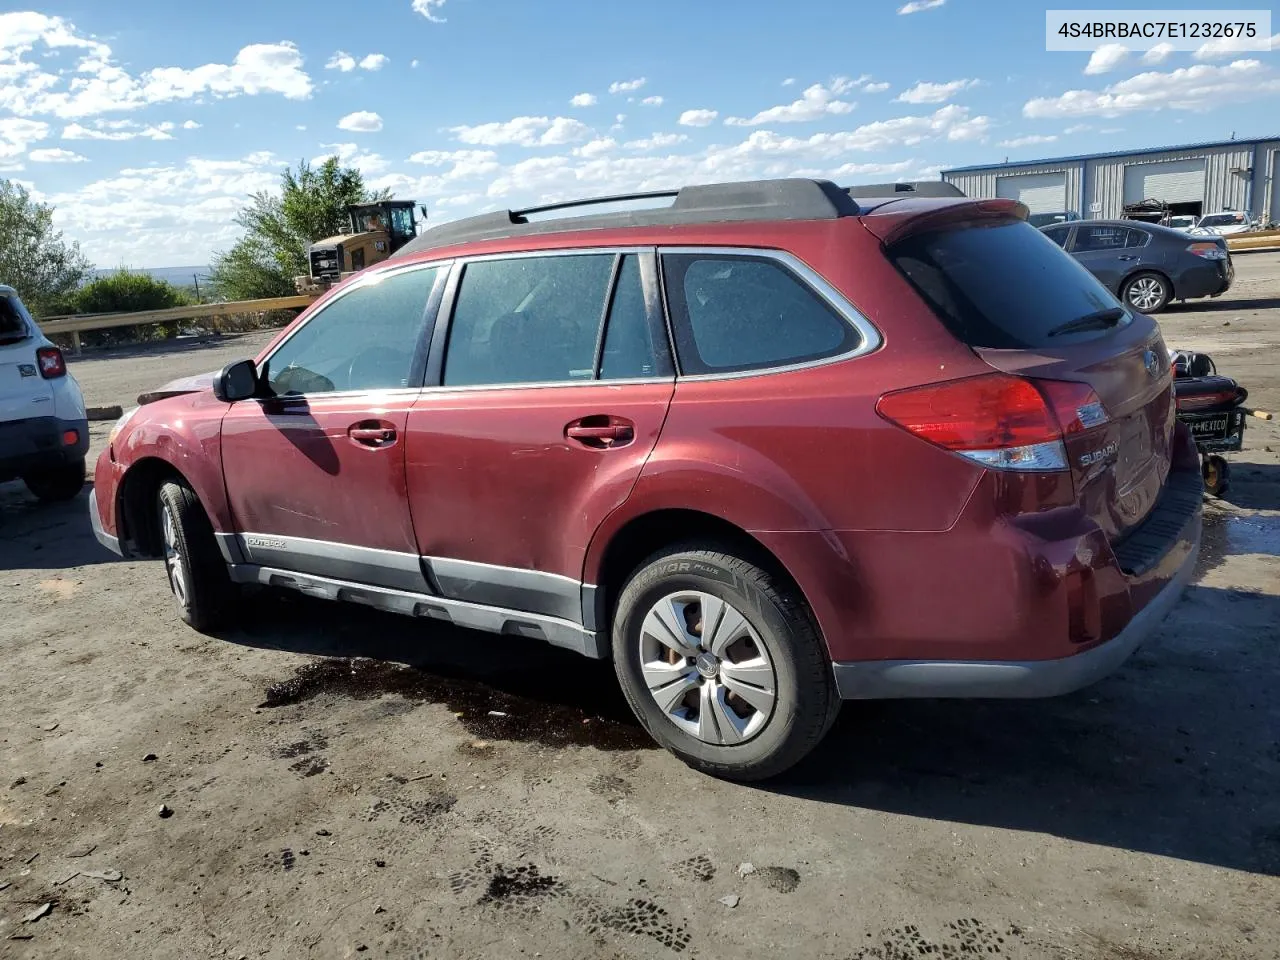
{"x":1101,"y":238}
{"x":12,"y":326}
{"x":737,"y":312}
{"x":1003,"y":285}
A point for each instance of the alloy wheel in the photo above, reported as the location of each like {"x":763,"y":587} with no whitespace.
{"x":707,"y":668}
{"x":173,"y":555}
{"x":1145,"y":293}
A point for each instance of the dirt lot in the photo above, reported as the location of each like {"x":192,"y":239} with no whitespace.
{"x":496,"y":801}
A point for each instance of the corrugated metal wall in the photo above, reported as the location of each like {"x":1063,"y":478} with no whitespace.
{"x":1103,"y":180}
{"x":982,"y":183}
{"x":1224,"y":190}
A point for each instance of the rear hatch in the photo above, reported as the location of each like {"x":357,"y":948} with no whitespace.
{"x":21,"y":385}
{"x":1030,"y":310}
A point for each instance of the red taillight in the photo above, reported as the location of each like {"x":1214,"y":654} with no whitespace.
{"x":1209,"y":251}
{"x":70,"y":438}
{"x":52,"y":365}
{"x":998,"y":420}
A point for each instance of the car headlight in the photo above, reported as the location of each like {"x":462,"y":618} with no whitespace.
{"x":119,"y":424}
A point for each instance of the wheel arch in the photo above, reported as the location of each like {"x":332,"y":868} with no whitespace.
{"x":138,"y":524}
{"x":646,"y":533}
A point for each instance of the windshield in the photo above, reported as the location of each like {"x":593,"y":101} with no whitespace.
{"x":1041,"y":289}
{"x":1222,"y":219}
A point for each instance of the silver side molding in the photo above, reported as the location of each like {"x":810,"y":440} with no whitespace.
{"x":473,"y":616}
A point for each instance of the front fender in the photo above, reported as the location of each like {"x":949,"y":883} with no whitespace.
{"x":186,"y":433}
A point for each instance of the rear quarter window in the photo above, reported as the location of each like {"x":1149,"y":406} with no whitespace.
{"x":12,"y":326}
{"x":1001,"y":285}
{"x":732,"y":313}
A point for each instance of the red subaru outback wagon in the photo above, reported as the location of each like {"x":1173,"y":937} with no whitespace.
{"x":766,"y":447}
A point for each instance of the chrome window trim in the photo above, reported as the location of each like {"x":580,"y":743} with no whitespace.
{"x":359,"y":284}
{"x":435,"y":389}
{"x":837,"y":301}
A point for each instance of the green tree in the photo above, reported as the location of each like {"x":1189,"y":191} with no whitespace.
{"x":128,"y":291}
{"x":311,"y":205}
{"x":34,"y":258}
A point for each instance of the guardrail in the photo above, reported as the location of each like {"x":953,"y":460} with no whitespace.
{"x":80,"y":323}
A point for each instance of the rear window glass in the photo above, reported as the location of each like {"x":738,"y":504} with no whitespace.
{"x":1004,"y":285}
{"x":12,"y":326}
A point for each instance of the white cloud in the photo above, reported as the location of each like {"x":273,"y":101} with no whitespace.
{"x":596,"y":148}
{"x":919,"y":6}
{"x":15,"y":135}
{"x":584,"y":100}
{"x":164,"y":214}
{"x":1029,"y":140}
{"x":1106,"y":58}
{"x":872,"y":169}
{"x":97,"y":84}
{"x":934,"y":92}
{"x":875,"y":88}
{"x":341,"y":61}
{"x":1224,"y":47}
{"x":301,"y":126}
{"x":698,"y":118}
{"x":362,"y":121}
{"x":350,"y":154}
{"x":659,"y":141}
{"x":374,"y":61}
{"x":789,"y":81}
{"x":1077,"y":128}
{"x":524,"y":132}
{"x":117,"y":130}
{"x":1157,"y":54}
{"x":627,"y":86}
{"x":1200,"y":87}
{"x":413,"y":64}
{"x":56,"y":155}
{"x":816,"y":102}
{"x":653,"y":101}
{"x":191,"y":125}
{"x":429,"y":9}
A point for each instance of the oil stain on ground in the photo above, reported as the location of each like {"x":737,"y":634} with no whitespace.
{"x":486,"y":712}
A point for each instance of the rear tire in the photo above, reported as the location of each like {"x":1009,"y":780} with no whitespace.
{"x":197,"y":573}
{"x":739,"y":685}
{"x":57,"y":484}
{"x":1217,"y":475}
{"x":1147,"y":292}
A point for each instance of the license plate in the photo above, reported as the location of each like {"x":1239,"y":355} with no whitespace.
{"x":1217,"y":427}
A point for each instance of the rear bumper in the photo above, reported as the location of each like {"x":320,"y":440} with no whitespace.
{"x":1156,"y":562}
{"x":1209,"y":279}
{"x":27,"y":446}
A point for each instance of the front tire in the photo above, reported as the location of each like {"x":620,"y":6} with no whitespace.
{"x":1147,"y":292}
{"x":57,"y":484}
{"x":722,"y":663}
{"x":197,"y":573}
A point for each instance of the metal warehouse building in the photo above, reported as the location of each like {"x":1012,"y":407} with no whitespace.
{"x":1198,"y":178}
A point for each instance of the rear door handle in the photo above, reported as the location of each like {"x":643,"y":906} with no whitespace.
{"x":372,"y":433}
{"x":601,"y":432}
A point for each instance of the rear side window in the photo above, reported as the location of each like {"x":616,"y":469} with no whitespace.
{"x":12,"y":327}
{"x":1103,"y":238}
{"x":731,"y":313}
{"x":1003,"y":285}
{"x":543,"y":320}
{"x":1058,"y":236}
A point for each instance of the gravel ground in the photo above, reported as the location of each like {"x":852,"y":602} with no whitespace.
{"x":452,"y":794}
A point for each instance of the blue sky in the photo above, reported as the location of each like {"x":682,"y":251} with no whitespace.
{"x":147,"y":122}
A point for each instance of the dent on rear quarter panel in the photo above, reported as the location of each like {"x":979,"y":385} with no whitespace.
{"x":185,"y":432}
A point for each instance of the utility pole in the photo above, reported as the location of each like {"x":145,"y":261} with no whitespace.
{"x":196,"y":278}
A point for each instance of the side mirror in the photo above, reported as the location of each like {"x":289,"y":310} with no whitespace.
{"x":237,"y":381}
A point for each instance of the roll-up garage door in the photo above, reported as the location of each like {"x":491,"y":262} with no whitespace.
{"x":1040,"y":192}
{"x":1173,"y":181}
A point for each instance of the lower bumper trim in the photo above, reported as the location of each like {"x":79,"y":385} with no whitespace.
{"x":104,"y":538}
{"x":1011,"y":679}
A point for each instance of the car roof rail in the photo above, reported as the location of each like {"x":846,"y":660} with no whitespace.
{"x":781,"y":199}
